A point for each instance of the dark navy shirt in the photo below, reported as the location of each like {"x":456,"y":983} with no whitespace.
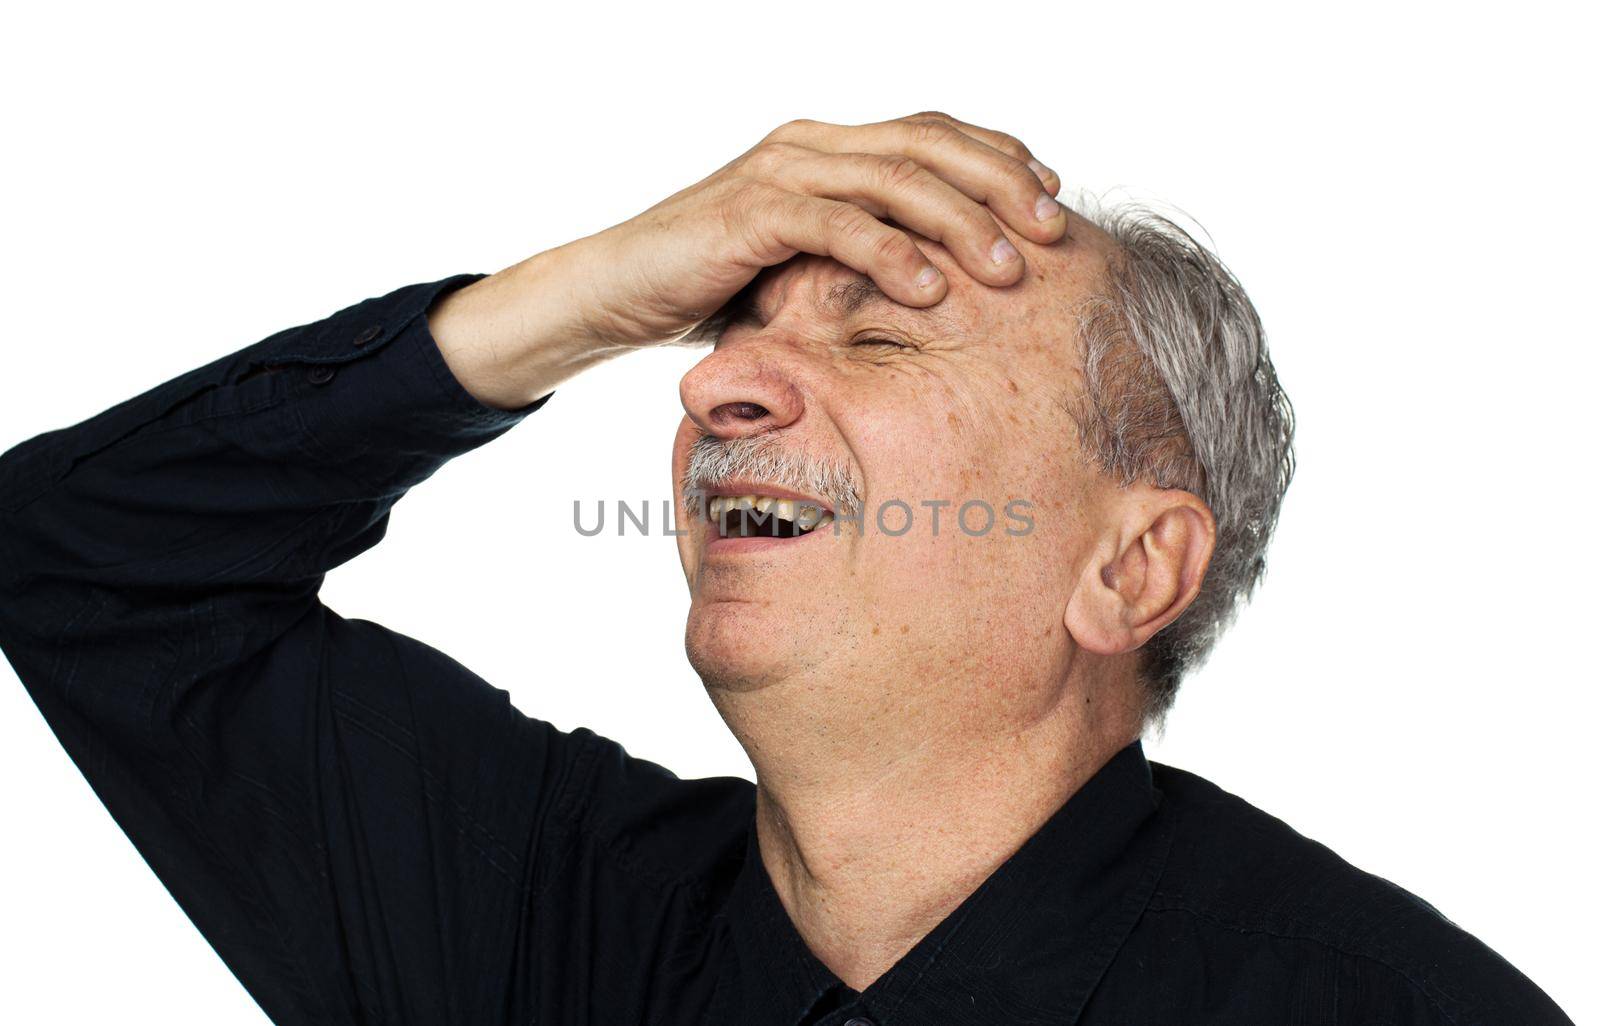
{"x":368,"y":832}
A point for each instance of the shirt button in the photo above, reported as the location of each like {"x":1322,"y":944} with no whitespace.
{"x":321,"y":374}
{"x":368,"y":335}
{"x":860,"y":1020}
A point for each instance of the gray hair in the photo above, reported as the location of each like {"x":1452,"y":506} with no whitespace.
{"x":1179,"y":392}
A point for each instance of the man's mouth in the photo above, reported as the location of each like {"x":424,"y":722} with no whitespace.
{"x":765,"y":516}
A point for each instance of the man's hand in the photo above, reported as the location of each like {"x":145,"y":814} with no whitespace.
{"x":819,"y":188}
{"x":807,"y":187}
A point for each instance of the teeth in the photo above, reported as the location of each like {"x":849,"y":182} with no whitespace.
{"x":804,"y":514}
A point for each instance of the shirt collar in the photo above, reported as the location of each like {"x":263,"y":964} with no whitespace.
{"x":1028,"y":945}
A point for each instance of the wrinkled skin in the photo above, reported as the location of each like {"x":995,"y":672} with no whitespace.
{"x":921,"y":627}
{"x":914,"y":704}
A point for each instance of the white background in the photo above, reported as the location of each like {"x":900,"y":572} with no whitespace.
{"x":1406,"y":193}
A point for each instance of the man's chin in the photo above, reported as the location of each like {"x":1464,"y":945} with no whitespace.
{"x":734,"y":648}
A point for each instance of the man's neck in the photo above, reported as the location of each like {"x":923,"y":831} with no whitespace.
{"x":871,"y":849}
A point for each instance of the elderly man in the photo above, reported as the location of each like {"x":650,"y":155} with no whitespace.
{"x":968,"y":482}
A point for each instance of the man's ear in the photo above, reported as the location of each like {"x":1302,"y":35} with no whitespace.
{"x":1146,"y":571}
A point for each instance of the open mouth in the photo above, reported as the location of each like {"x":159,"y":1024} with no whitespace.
{"x":765,"y":516}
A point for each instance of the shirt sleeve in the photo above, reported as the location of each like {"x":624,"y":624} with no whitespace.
{"x":347,"y":814}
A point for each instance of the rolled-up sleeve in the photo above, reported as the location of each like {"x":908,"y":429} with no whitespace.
{"x":347,"y":814}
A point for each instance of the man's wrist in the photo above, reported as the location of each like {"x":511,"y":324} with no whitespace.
{"x":514,"y":336}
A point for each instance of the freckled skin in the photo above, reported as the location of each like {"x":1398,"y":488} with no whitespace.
{"x":960,"y":415}
{"x":957,"y":731}
{"x":914,"y":705}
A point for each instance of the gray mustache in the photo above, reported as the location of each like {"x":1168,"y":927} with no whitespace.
{"x":713,"y":461}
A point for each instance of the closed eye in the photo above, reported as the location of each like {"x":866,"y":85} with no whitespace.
{"x":879,"y":342}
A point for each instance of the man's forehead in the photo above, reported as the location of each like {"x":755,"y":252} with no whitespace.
{"x":822,"y":286}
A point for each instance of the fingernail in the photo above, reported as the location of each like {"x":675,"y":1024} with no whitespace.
{"x":1045,"y":207}
{"x":928,"y":278}
{"x":1003,"y":252}
{"x":1040,"y":170}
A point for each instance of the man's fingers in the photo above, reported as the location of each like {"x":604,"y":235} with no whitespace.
{"x":855,"y":238}
{"x":1008,"y":144}
{"x":987,"y":174}
{"x":910,"y":194}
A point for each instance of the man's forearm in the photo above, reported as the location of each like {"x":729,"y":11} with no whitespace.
{"x":514,"y":336}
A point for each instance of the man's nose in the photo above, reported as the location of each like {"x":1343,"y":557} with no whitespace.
{"x":741,"y":390}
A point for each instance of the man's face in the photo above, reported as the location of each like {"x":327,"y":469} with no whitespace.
{"x":975,"y":505}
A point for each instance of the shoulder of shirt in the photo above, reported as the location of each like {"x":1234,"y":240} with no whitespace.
{"x":1243,"y":870}
{"x":665,"y":831}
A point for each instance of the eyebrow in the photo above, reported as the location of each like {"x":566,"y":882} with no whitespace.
{"x":841,"y":300}
{"x":847,"y":297}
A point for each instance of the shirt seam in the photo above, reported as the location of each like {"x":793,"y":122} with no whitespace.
{"x":64,"y":461}
{"x":619,"y":847}
{"x":1422,"y":986}
{"x":245,"y":886}
{"x":431,"y":791}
